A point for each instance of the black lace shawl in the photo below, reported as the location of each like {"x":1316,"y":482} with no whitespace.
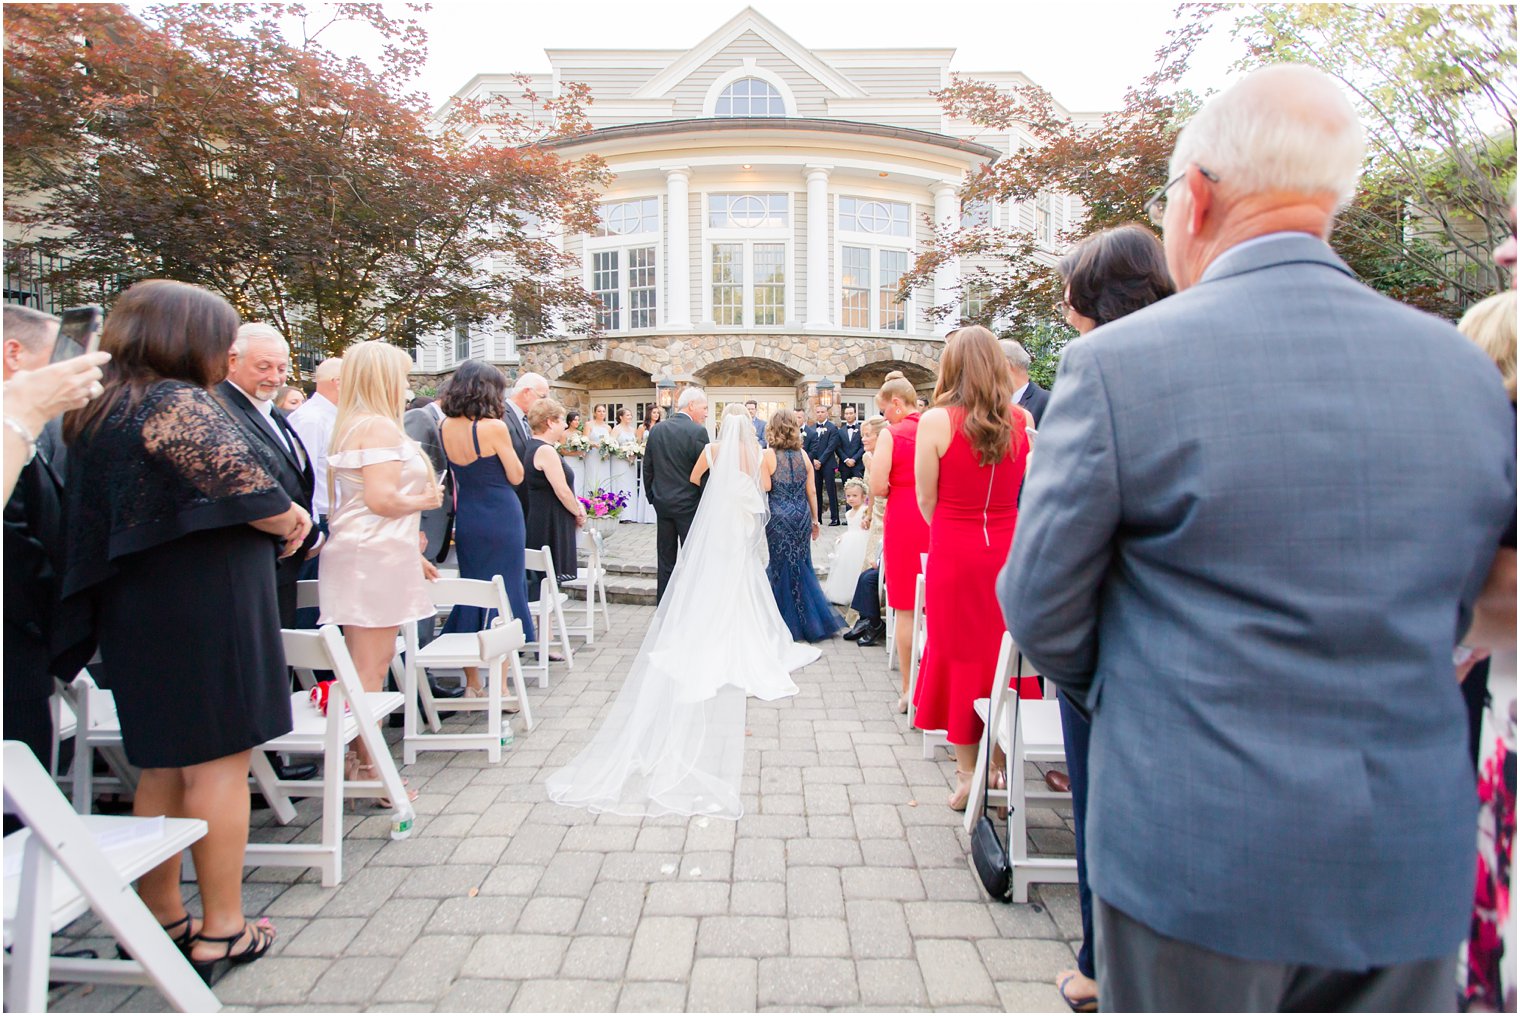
{"x":174,"y":464}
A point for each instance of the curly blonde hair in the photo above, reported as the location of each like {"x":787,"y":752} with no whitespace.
{"x":782,"y":433}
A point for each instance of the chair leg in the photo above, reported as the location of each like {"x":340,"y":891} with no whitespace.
{"x":334,"y":749}
{"x":564,"y":634}
{"x":494,"y":679}
{"x":27,"y":976}
{"x":521,"y":684}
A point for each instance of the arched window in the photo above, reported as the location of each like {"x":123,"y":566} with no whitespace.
{"x":750,"y":97}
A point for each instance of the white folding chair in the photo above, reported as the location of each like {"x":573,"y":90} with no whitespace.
{"x":65,"y":723}
{"x":591,"y":579}
{"x":933,"y":739}
{"x":888,"y":615}
{"x":352,"y":714}
{"x":96,"y":729}
{"x":63,"y":864}
{"x":306,"y":596}
{"x":1034,"y":737}
{"x":547,"y":609}
{"x":455,"y":650}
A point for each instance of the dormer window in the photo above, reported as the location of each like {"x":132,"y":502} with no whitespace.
{"x":750,"y":97}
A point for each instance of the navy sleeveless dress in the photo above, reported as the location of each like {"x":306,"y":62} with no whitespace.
{"x":489,"y":535}
{"x":789,"y":532}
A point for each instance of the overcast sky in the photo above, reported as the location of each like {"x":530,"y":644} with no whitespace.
{"x":1085,"y":54}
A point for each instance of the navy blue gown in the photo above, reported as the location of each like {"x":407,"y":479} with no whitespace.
{"x":789,"y":532}
{"x":490,"y":535}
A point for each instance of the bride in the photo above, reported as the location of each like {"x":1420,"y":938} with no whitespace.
{"x":673,"y":742}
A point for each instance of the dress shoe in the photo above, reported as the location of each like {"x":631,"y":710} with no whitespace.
{"x":445,"y":691}
{"x":873,"y":636}
{"x":1058,"y":782}
{"x":860,"y":628}
{"x":290,"y":771}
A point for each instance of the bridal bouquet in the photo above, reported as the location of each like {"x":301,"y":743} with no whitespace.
{"x":604,"y":504}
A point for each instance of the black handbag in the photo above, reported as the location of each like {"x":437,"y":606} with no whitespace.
{"x":988,"y":853}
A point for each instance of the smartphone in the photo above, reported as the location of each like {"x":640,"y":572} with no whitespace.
{"x":78,"y":332}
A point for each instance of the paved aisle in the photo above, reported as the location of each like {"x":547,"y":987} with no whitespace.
{"x":846,"y":884}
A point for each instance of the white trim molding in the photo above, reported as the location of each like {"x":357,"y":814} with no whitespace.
{"x":749,"y":70}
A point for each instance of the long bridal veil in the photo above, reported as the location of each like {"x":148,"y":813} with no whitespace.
{"x":673,"y":742}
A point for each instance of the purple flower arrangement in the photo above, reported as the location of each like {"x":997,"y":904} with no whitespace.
{"x":604,"y":504}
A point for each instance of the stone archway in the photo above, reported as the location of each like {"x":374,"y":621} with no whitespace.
{"x":871,"y":375}
{"x":748,"y":371}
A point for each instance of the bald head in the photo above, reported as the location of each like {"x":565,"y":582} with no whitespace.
{"x":326,"y":377}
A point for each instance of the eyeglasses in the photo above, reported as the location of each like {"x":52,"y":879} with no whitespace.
{"x":1156,"y":206}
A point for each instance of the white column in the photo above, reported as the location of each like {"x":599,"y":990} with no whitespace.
{"x":819,"y":306}
{"x":946,"y":214}
{"x":677,"y":248}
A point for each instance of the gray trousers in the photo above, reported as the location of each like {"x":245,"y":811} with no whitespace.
{"x":1141,"y":970}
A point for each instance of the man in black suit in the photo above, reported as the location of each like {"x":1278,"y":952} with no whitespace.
{"x":1026,"y":392}
{"x":33,"y":551}
{"x":529,"y":389}
{"x":670,"y":453}
{"x":820,"y":440}
{"x":257,"y":368}
{"x":852,"y":449}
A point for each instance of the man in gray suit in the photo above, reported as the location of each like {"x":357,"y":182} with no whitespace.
{"x":1259,"y":515}
{"x":422,"y":424}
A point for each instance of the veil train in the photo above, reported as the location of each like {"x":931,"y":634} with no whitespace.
{"x":673,"y":742}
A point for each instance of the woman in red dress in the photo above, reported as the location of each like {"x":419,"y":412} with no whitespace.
{"x":969,"y":465}
{"x":905,"y":536}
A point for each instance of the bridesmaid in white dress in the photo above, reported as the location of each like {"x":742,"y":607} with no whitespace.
{"x":643,"y":511}
{"x":622,"y":471}
{"x":596,"y":464}
{"x":572,"y":430}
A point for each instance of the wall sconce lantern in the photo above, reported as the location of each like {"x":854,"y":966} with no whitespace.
{"x":665,"y":393}
{"x":825,"y":389}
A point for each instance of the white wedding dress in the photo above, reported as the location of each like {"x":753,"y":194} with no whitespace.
{"x":673,"y":742}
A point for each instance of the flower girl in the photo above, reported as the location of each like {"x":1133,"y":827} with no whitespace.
{"x":850,"y":552}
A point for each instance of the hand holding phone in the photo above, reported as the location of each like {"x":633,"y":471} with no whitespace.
{"x":78,"y":332}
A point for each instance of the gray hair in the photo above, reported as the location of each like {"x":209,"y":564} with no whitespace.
{"x":689,"y":396}
{"x":32,"y":328}
{"x":1283,"y":128}
{"x":253,"y":331}
{"x":1018,"y":356}
{"x":529,"y":380}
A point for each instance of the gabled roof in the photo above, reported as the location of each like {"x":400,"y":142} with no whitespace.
{"x":749,"y":20}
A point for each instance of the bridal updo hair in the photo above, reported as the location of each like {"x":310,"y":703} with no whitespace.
{"x":896,"y":386}
{"x":782,"y":434}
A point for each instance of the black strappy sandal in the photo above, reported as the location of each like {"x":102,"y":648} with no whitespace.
{"x":261,"y":937}
{"x":181,"y":941}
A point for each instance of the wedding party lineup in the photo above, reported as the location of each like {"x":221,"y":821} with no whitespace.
{"x":724,"y":524}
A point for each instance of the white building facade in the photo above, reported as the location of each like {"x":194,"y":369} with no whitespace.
{"x":765,"y":201}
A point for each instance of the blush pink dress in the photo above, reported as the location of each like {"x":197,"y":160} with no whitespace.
{"x":370,"y":569}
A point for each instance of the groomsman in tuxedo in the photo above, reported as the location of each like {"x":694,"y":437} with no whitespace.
{"x":852,"y":449}
{"x":257,"y":368}
{"x":820,"y":440}
{"x":529,"y":389}
{"x":670,"y":453}
{"x":1026,"y":392}
{"x":753,"y":408}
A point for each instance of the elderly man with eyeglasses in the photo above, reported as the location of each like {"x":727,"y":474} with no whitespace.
{"x":1259,"y":516}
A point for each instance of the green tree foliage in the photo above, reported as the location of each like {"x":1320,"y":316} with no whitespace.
{"x":1435,"y":87}
{"x":1435,"y":90}
{"x":218,"y":145}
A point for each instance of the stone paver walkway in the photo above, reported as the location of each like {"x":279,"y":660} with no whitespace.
{"x":845,"y":885}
